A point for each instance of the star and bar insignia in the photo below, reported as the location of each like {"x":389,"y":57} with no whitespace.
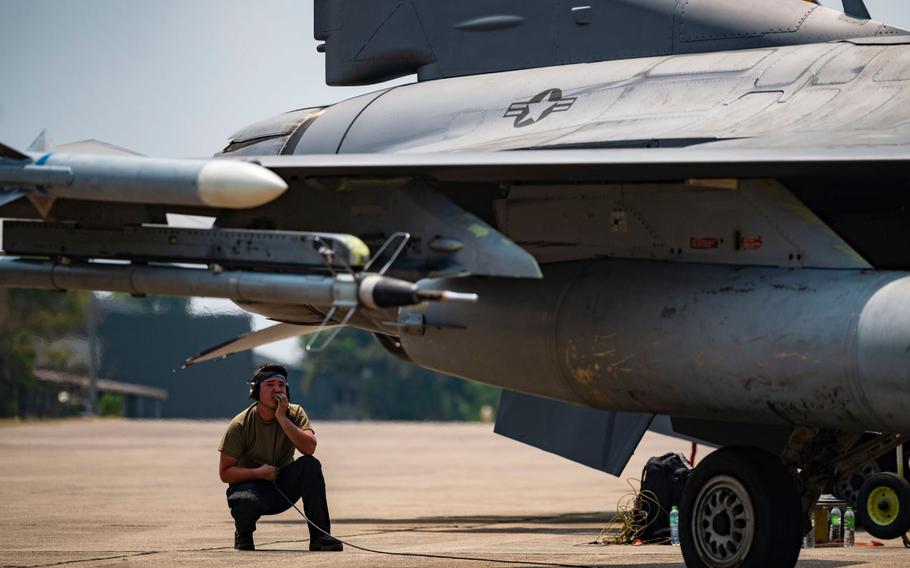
{"x":540,"y":106}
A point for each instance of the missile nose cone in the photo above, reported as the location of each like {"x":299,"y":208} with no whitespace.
{"x":238,"y":185}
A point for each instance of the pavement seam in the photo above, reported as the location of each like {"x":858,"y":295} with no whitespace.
{"x":364,"y":534}
{"x":63,"y":562}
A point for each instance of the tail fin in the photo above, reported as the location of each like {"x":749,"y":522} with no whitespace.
{"x":42,"y":143}
{"x":856,"y":9}
{"x":370,"y":41}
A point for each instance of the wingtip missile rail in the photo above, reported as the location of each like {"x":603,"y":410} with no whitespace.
{"x":215,"y":183}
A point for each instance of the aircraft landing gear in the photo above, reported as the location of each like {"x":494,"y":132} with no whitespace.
{"x":883,"y":505}
{"x":740,"y":508}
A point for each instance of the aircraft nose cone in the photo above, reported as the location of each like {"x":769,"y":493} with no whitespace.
{"x":238,"y":185}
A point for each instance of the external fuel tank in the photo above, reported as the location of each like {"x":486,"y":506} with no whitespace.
{"x":827,"y":348}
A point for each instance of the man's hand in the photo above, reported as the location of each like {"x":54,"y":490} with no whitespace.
{"x":230,"y":471}
{"x":281,"y":411}
{"x":268,"y":472}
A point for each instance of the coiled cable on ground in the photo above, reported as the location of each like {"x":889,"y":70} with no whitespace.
{"x":631,"y":518}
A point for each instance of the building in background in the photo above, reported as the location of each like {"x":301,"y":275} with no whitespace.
{"x":142,"y":343}
{"x":328,"y":396}
{"x":145,"y":342}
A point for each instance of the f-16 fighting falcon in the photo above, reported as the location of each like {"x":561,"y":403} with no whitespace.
{"x":686,"y":215}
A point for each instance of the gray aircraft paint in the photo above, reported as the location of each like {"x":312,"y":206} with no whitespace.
{"x":368,"y":41}
{"x":758,"y":223}
{"x":833,"y":94}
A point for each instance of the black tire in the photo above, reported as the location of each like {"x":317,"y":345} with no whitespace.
{"x":883,"y":505}
{"x":742,"y":509}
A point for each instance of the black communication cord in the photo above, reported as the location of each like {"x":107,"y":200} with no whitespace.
{"x":417,"y":554}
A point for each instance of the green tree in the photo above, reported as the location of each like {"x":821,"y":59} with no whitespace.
{"x":392,"y":389}
{"x":25,"y":314}
{"x":110,"y":405}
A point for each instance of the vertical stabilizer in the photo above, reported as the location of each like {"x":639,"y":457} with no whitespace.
{"x":856,"y":9}
{"x":371,"y":41}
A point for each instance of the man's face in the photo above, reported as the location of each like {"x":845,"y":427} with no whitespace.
{"x":269,"y":388}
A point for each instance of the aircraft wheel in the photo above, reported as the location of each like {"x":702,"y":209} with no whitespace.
{"x":847,"y":485}
{"x":740,"y":508}
{"x":883,"y":505}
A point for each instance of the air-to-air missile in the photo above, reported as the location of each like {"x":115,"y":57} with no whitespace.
{"x":216,"y":183}
{"x":137,"y":179}
{"x":339,"y":290}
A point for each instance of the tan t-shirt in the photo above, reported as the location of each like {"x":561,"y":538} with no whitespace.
{"x":255,"y":442}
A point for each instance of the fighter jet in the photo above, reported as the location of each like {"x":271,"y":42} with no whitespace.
{"x":684,"y":215}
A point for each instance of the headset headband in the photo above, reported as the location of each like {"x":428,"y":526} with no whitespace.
{"x":269,"y":375}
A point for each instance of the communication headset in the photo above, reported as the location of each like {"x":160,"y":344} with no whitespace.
{"x":265,"y":373}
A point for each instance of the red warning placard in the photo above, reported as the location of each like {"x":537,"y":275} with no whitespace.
{"x":703,"y":243}
{"x":751,"y":242}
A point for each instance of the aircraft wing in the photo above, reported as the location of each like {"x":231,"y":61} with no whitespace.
{"x":605,"y":165}
{"x":458,"y":243}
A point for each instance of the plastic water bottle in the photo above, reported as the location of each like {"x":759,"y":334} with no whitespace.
{"x":674,"y":526}
{"x":849,"y":528}
{"x":835,"y":534}
{"x":809,"y":539}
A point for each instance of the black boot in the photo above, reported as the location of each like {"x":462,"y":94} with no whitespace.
{"x":325,"y":543}
{"x":243,"y":541}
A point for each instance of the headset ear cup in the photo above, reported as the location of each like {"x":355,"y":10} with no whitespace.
{"x":254,"y":392}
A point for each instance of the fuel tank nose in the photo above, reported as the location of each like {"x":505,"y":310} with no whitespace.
{"x":883,"y":352}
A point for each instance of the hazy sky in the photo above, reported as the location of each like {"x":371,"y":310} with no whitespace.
{"x":169,"y":77}
{"x":163,"y":77}
{"x":173,"y":77}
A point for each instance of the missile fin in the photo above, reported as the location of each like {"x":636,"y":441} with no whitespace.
{"x":12,"y":154}
{"x":42,"y":143}
{"x":42,"y":204}
{"x":250,"y":340}
{"x":8,"y":196}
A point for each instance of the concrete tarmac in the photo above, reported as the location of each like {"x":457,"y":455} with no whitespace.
{"x":146,"y":494}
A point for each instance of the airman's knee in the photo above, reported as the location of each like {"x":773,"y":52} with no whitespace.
{"x":243,"y":501}
{"x":310,"y":461}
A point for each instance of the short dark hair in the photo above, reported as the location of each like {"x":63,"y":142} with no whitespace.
{"x":266,"y":372}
